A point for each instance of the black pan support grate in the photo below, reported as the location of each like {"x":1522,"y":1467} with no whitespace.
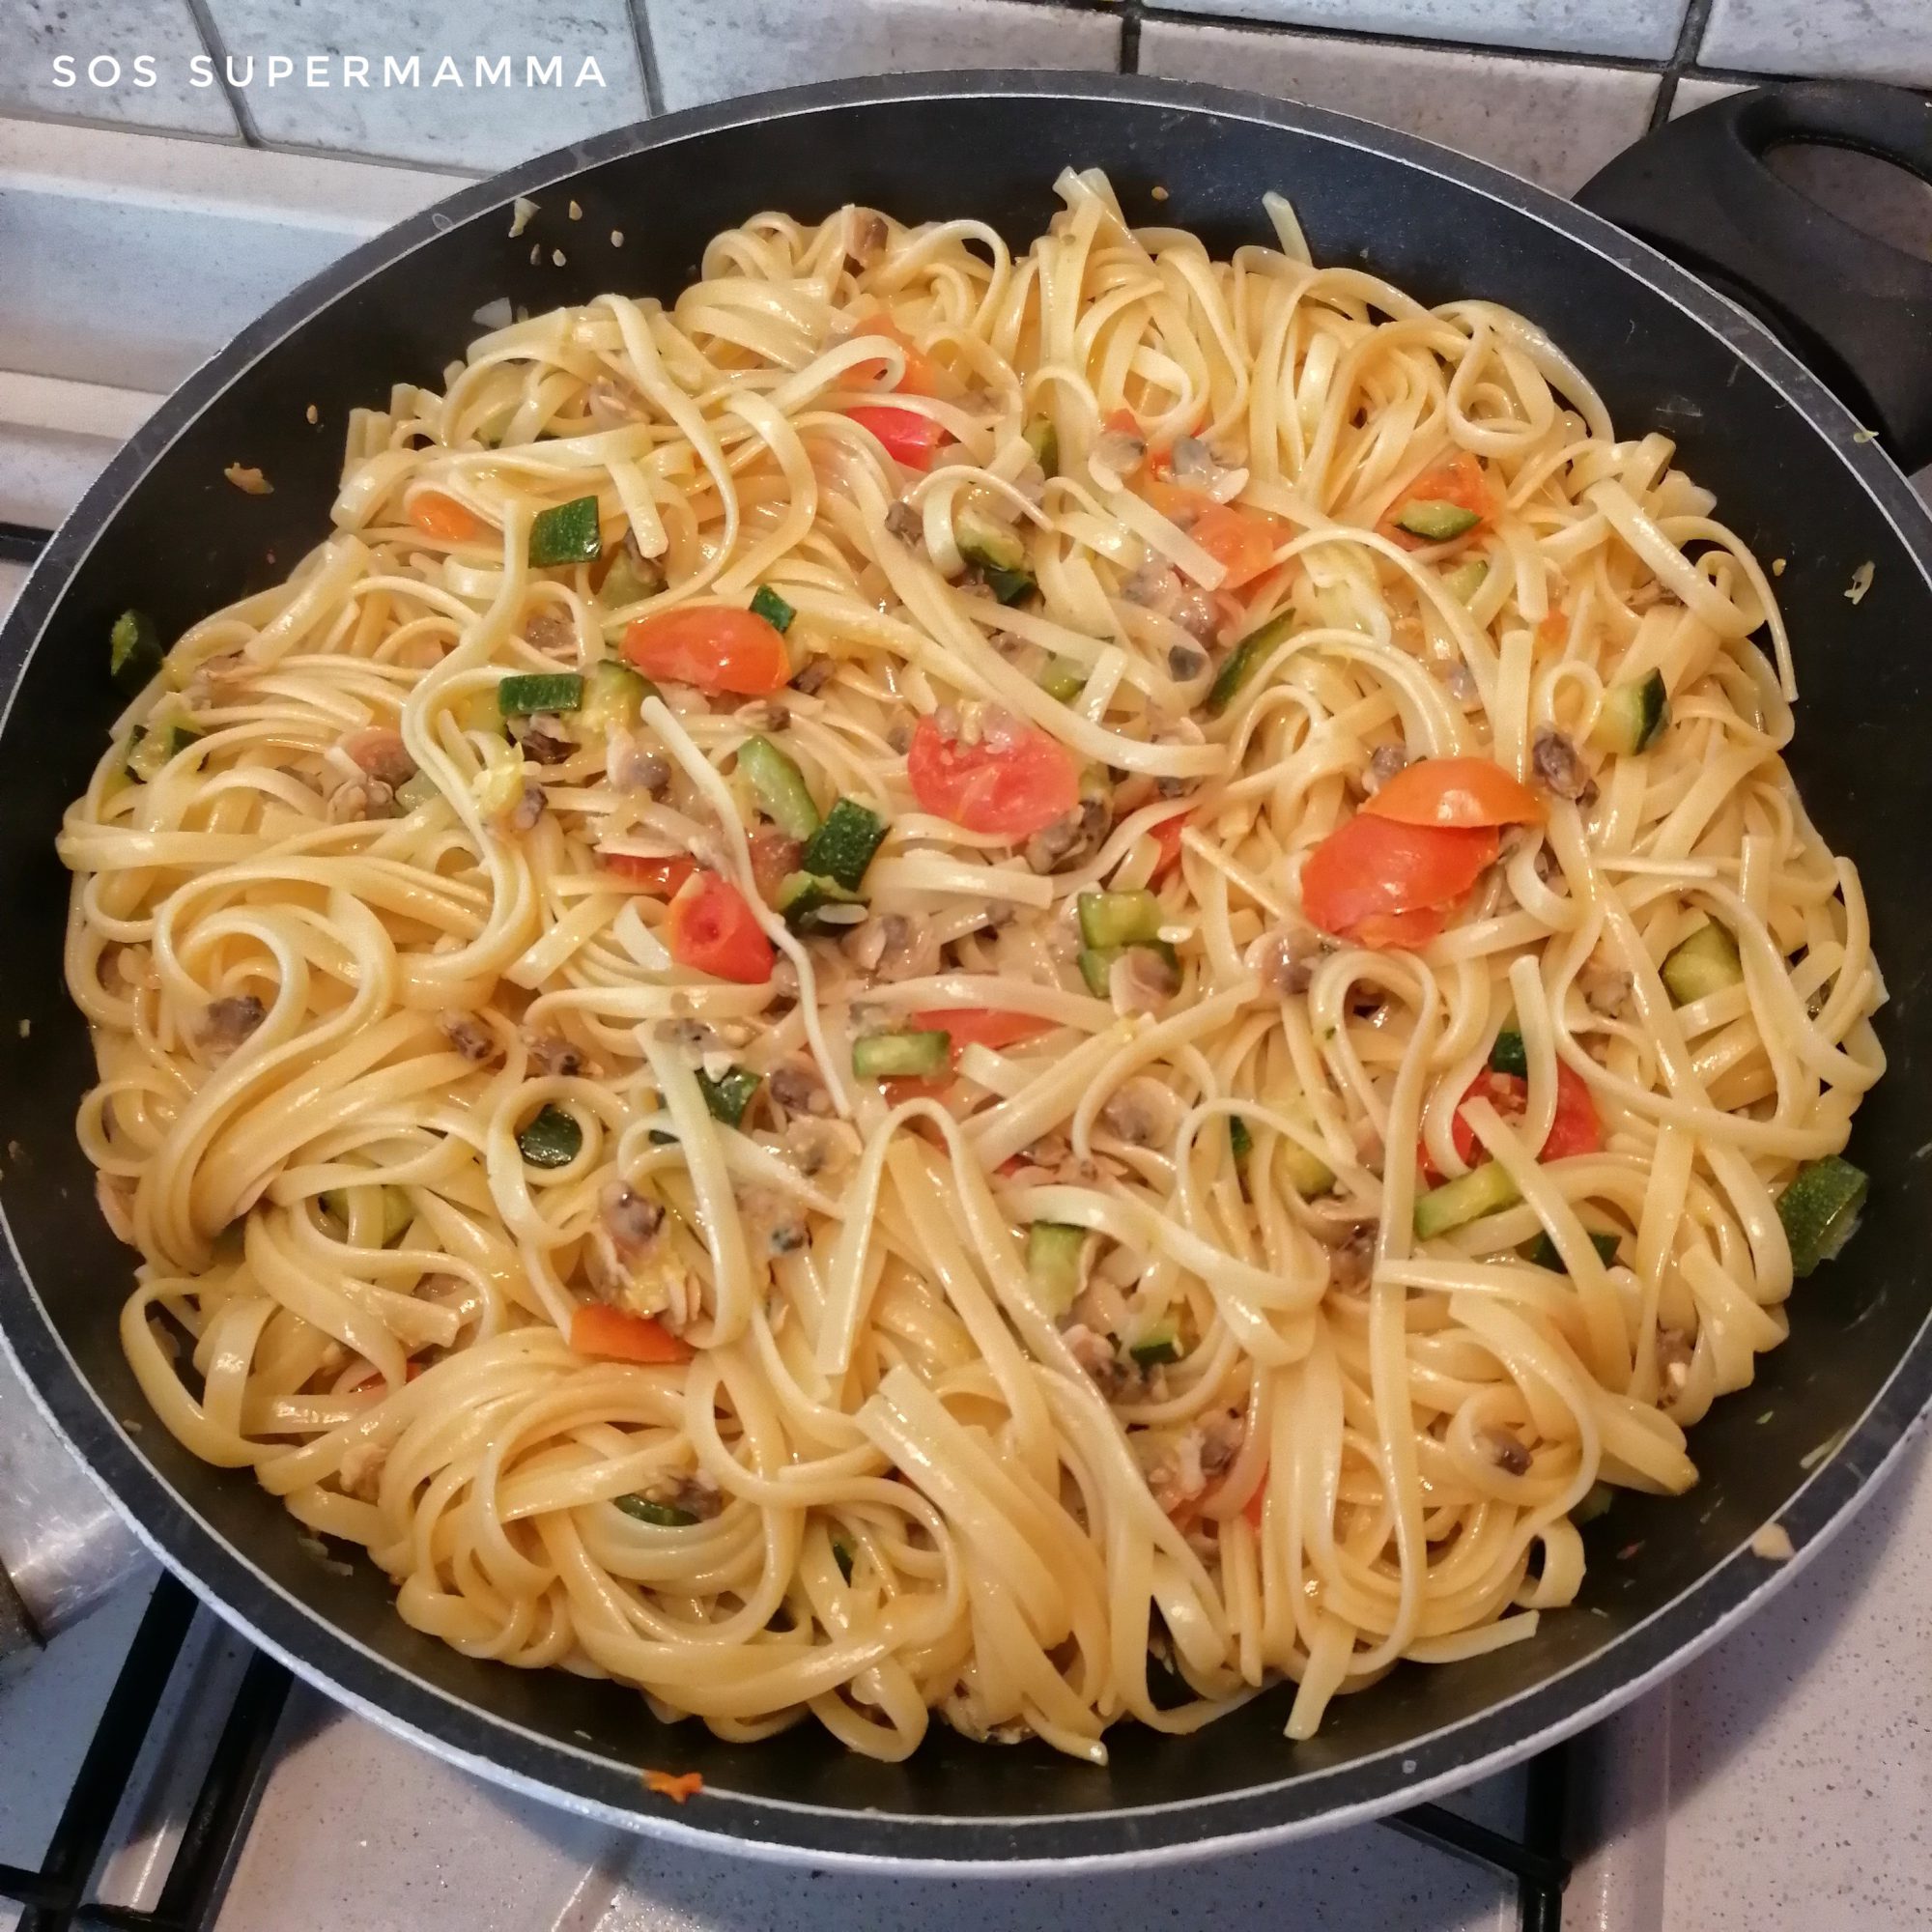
{"x":56,"y":1896}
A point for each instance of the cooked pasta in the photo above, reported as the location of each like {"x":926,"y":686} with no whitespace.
{"x":1035,"y":987}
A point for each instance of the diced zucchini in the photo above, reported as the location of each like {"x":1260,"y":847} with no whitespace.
{"x":896,"y":1056}
{"x":998,"y":554}
{"x":630,"y":580}
{"x":1044,"y":440}
{"x":1705,"y":963}
{"x":417,"y":791}
{"x":842,"y":1556}
{"x":134,"y":651}
{"x":1241,"y":1143}
{"x":804,"y":899}
{"x":1597,"y":1499}
{"x":529,"y":693}
{"x":766,"y":602}
{"x":778,"y":786}
{"x":1633,"y":715}
{"x":553,"y":1139}
{"x":566,"y":534}
{"x":728,"y":1098}
{"x":394,"y":1203}
{"x":842,"y":847}
{"x":1054,"y":1255}
{"x":1308,"y":1176}
{"x":479,"y":712}
{"x":666,"y":1516}
{"x":1819,"y":1210}
{"x":1096,"y":963}
{"x":1484,"y":1191}
{"x":1244,"y":659}
{"x":1436,"y":521}
{"x":148,"y":750}
{"x":1467,"y":579}
{"x":1508,"y":1055}
{"x":1064,"y":678}
{"x":1158,"y":1345}
{"x":1118,"y":919}
{"x":1542,"y":1252}
{"x":613,"y":695}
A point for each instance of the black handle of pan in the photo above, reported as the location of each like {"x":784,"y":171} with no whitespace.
{"x":1857,"y":310}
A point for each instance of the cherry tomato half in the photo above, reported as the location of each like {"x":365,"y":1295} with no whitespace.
{"x":910,"y":438}
{"x":1372,"y":879}
{"x":1460,"y":792}
{"x":1013,"y":782}
{"x":712,"y":929}
{"x":715,"y":646}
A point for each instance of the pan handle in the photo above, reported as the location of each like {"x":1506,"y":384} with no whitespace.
{"x":1857,"y":310}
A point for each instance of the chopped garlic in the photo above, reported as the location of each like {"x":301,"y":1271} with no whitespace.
{"x":1862,"y":581}
{"x":1773,"y":1543}
{"x":557,"y":255}
{"x":616,"y":237}
{"x":313,"y":414}
{"x":248,"y":480}
{"x":521,"y":214}
{"x":576,"y":211}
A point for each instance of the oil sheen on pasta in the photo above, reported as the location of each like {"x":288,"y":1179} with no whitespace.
{"x":352,"y":931}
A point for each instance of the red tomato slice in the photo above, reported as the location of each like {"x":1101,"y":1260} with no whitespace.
{"x":616,"y":1335}
{"x":436,"y":515}
{"x":1456,"y":792}
{"x":915,"y":1087}
{"x":711,"y":930}
{"x":1242,"y":541}
{"x":911,"y":440}
{"x":1456,"y":479}
{"x":1014,"y":782}
{"x":1167,"y":836}
{"x":658,"y":878}
{"x":1255,"y":1504}
{"x":715,"y":646}
{"x":1379,"y":869}
{"x":982,"y":1026}
{"x":1575,"y":1129}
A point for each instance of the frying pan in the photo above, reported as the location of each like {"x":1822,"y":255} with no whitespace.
{"x":1794,"y":473}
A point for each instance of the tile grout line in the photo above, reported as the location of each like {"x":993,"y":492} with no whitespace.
{"x":218,"y":52}
{"x":1683,"y":57}
{"x":647,"y":56}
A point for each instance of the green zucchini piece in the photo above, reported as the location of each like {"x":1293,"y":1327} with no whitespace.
{"x":398,"y":1211}
{"x":479,"y":712}
{"x":630,"y":580}
{"x":1467,"y":579}
{"x":1819,"y":1210}
{"x":552,"y":1139}
{"x":805,"y":896}
{"x":766,"y":602}
{"x":134,"y":651}
{"x":613,"y":695}
{"x":1597,"y":1499}
{"x":1064,"y":678}
{"x":1118,"y":919}
{"x":665,"y":1516}
{"x":842,"y":1556}
{"x":778,"y":786}
{"x":1241,"y":1143}
{"x":1044,"y":440}
{"x":1703,"y":964}
{"x":148,"y":750}
{"x":1244,"y":659}
{"x":989,"y":545}
{"x":1096,"y":962}
{"x":1542,"y":1252}
{"x":1158,"y":1345}
{"x":1310,"y":1178}
{"x":728,"y":1098}
{"x":898,"y":1056}
{"x":1484,"y":1191}
{"x":531,"y":691}
{"x":1633,"y":715}
{"x":1434,"y":521}
{"x":1508,"y":1055}
{"x":842,"y":847}
{"x":568,"y":533}
{"x":417,"y":791}
{"x":1053,"y":1253}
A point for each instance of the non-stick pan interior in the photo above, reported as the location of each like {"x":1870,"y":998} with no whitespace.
{"x":183,"y":541}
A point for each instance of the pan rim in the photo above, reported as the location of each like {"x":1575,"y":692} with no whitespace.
{"x":587,"y":1783}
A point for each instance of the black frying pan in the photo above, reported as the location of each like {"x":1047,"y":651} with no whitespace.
{"x":162,"y":529}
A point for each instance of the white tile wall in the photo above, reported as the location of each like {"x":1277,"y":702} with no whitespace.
{"x":1881,"y":40}
{"x":471,"y":121}
{"x":707,"y":49}
{"x":111,"y":34}
{"x":1642,"y":27}
{"x":1556,"y":122}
